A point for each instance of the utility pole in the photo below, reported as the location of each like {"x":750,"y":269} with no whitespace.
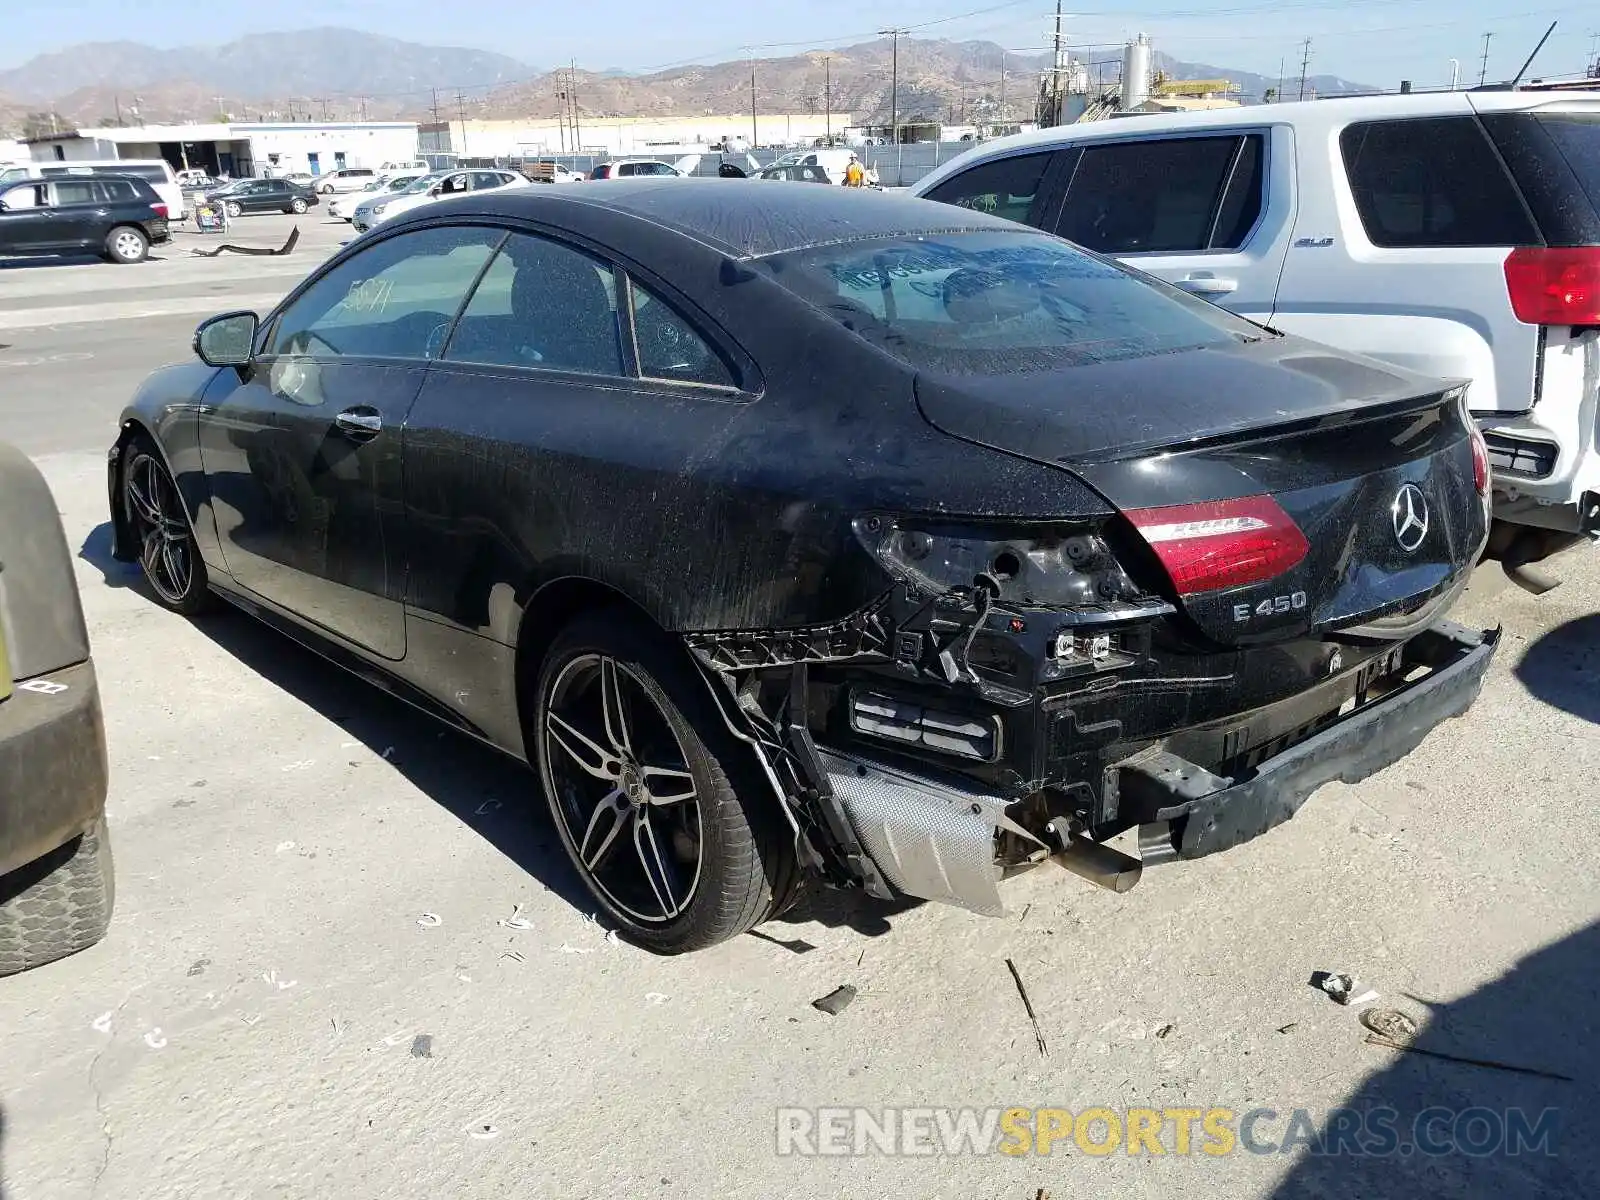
{"x":894,"y":80}
{"x":116,"y":102}
{"x":461,"y":111}
{"x":755,"y":137}
{"x":827,"y":95}
{"x":572,"y":92}
{"x":1483,"y":69}
{"x":1305,"y":63}
{"x":1277,"y":96}
{"x":1002,"y":84}
{"x":561,"y":113}
{"x":435,"y":106}
{"x":363,"y":108}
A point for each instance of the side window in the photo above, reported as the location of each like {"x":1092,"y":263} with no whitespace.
{"x":628,"y":169}
{"x":487,"y":179}
{"x":393,"y":300}
{"x":1164,"y":195}
{"x":541,"y":304}
{"x":1005,"y":187}
{"x":76,"y":191}
{"x":669,"y":347}
{"x":117,"y":189}
{"x":1434,"y":182}
{"x":453,"y":184}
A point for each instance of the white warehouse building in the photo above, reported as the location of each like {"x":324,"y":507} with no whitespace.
{"x":241,"y":148}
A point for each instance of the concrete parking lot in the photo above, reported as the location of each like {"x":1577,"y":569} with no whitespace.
{"x":349,"y":959}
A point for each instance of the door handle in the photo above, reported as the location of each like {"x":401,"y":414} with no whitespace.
{"x":1204,"y":283}
{"x":359,"y":422}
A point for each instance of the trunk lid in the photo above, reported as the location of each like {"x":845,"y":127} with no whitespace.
{"x":1354,"y":452}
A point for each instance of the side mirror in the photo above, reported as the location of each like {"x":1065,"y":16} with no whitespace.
{"x":436,"y":190}
{"x":227,"y":340}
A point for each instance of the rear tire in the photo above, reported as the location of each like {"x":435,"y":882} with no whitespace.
{"x":719,"y":870}
{"x":58,"y":904}
{"x":159,"y":523}
{"x":125,"y":244}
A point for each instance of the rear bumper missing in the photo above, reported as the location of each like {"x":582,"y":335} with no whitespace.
{"x":945,"y":838}
{"x":1205,"y":814}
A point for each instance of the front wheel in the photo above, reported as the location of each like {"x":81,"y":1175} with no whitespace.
{"x":297,"y":206}
{"x":160,"y":526}
{"x":658,"y":806}
{"x":234,"y":208}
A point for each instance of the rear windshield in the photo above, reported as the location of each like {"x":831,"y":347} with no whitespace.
{"x":987,"y":302}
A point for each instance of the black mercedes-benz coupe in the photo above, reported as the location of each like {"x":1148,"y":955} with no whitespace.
{"x":798,"y":532}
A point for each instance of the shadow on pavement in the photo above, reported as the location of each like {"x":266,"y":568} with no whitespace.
{"x":1562,"y":668}
{"x":456,"y":772}
{"x":32,"y":262}
{"x":1544,"y":1014}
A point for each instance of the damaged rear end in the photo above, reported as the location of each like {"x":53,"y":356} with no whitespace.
{"x":1258,"y":611}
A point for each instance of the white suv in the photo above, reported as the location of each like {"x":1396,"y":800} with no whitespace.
{"x":1456,"y":233}
{"x":345,"y":179}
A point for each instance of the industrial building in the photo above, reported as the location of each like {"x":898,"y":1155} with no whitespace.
{"x":530,"y":137}
{"x":240,"y":149}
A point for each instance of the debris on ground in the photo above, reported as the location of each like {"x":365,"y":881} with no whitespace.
{"x":1164,"y":1030}
{"x":1288,"y":1027}
{"x":483,"y":1132}
{"x":516,"y":920}
{"x":836,"y":1001}
{"x":430,"y":920}
{"x":656,"y":997}
{"x":1038,"y":1034}
{"x":198,"y":968}
{"x":514,"y":956}
{"x":567,"y":948}
{"x":422,"y":1046}
{"x":1342,"y":988}
{"x":287,"y":247}
{"x":1394,"y":1030}
{"x":795,"y":945}
{"x":154,"y":1040}
{"x":398,"y":1036}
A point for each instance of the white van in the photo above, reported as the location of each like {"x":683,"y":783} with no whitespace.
{"x":155,"y":171}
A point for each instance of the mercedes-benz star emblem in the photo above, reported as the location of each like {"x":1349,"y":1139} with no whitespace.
{"x":1409,"y":513}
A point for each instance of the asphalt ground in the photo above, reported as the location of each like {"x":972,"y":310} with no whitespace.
{"x":275,"y":1013}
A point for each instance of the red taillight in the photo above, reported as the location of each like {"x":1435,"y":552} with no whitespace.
{"x":1480,"y":462}
{"x":159,"y":209}
{"x":1556,"y":285}
{"x":1221,"y":543}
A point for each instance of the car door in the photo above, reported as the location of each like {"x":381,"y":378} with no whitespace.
{"x":24,"y":218}
{"x":302,"y":448}
{"x":1208,"y":212}
{"x":518,"y":447}
{"x":78,"y":216}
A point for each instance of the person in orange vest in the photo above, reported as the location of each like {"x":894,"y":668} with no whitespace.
{"x":854,"y":176}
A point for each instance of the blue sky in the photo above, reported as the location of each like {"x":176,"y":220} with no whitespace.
{"x":1371,"y":41}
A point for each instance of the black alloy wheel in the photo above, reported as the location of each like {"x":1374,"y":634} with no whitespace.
{"x":642,"y":796}
{"x":160,"y":526}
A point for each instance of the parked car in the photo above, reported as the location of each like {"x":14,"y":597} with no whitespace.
{"x":55,"y":854}
{"x":303,"y":178}
{"x":624,"y":168}
{"x":118,"y":217}
{"x":1072,"y":552}
{"x":264,"y":195}
{"x":1456,"y":233}
{"x":419,"y":165}
{"x":156,"y":172}
{"x":345,"y":179}
{"x":430,"y":188}
{"x":796,"y":173}
{"x":552,"y":172}
{"x":344,"y":207}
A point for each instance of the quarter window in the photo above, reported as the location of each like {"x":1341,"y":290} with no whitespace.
{"x":487,"y":179}
{"x":669,"y":347}
{"x":1168,"y":195}
{"x":1432,"y":182}
{"x":541,"y":304}
{"x":394,"y":300}
{"x":1006,"y":187}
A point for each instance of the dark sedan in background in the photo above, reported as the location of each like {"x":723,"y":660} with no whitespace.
{"x":116,"y":216}
{"x":263,"y":195}
{"x":802,"y":530}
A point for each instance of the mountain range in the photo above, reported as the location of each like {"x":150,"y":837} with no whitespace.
{"x":346,"y":74}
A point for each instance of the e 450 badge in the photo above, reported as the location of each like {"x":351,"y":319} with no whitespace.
{"x":1274,"y":606}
